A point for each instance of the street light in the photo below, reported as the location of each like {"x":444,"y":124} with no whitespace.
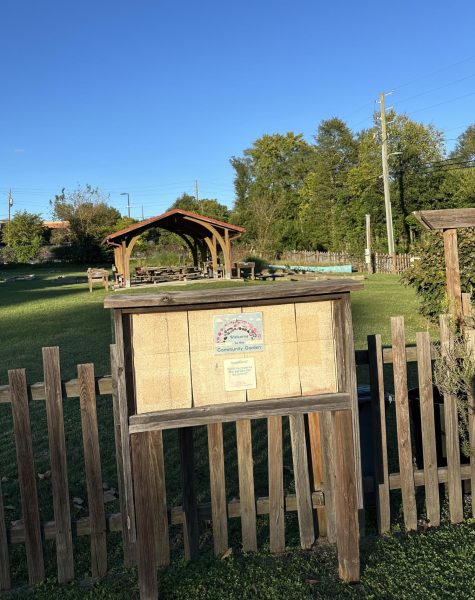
{"x":128,"y":201}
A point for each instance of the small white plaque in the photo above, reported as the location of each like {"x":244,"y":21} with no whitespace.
{"x":239,"y":374}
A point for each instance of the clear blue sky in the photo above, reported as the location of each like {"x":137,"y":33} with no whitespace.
{"x":146,"y":96}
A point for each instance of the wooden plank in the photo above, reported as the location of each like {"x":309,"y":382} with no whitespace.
{"x":452,"y":443}
{"x":145,"y":507}
{"x":5,"y":581}
{"x":258,"y":409}
{"x":429,"y":450}
{"x":347,"y":527}
{"x":381,"y":471}
{"x":316,"y":455}
{"x":246,"y":485}
{"x":452,"y":270}
{"x":403,"y":424}
{"x":467,"y":306}
{"x":92,"y":461}
{"x":59,"y":468}
{"x":302,"y":482}
{"x":329,"y":470}
{"x":218,"y":488}
{"x":26,"y":475}
{"x":191,"y":532}
{"x":241,"y":295}
{"x":470,"y":340}
{"x":157,"y":474}
{"x":123,"y":414}
{"x":128,"y":545}
{"x":276,"y":484}
{"x":447,"y":218}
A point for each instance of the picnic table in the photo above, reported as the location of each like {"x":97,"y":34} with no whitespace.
{"x":101,"y":275}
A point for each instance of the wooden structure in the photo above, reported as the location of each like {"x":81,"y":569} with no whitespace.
{"x":448,"y":221}
{"x":29,"y":530}
{"x":101,"y":275}
{"x":207,"y":358}
{"x":203,"y":236}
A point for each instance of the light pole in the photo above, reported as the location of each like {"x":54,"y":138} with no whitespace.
{"x":128,"y":201}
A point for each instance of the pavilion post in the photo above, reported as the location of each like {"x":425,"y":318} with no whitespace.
{"x":452,"y":269}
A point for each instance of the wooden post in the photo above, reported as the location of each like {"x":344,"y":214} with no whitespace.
{"x":5,"y":581}
{"x":219,"y":507}
{"x":276,"y":485}
{"x":246,"y":485}
{"x":191,"y":533}
{"x":368,"y":257}
{"x":452,"y":268}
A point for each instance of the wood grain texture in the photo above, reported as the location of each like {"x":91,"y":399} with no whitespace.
{"x":329,"y":472}
{"x":128,"y":545}
{"x":191,"y":532}
{"x":92,"y":461}
{"x":237,"y":295}
{"x":5,"y":581}
{"x":447,"y":218}
{"x":347,"y":527}
{"x":376,"y":377}
{"x":316,"y":456}
{"x":246,"y":485}
{"x":452,"y":443}
{"x":302,"y":482}
{"x":159,"y":494}
{"x":26,"y":475}
{"x":59,"y":468}
{"x":470,"y":339}
{"x":403,"y":423}
{"x":429,"y":450}
{"x":218,"y":488}
{"x":144,"y":512}
{"x":452,"y":270}
{"x":237,"y":411}
{"x":276,"y":484}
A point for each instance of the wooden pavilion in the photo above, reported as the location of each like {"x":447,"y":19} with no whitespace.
{"x":205,"y":237}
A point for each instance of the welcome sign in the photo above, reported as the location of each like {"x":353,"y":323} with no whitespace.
{"x":239,"y":332}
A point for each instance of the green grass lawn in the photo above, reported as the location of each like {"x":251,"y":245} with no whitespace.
{"x":43,"y":312}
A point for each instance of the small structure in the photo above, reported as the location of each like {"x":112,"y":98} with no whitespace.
{"x":448,"y":221}
{"x":204,"y":236}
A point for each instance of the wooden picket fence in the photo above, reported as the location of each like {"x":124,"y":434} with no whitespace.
{"x":313,"y":499}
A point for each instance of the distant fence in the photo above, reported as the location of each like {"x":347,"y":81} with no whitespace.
{"x":408,"y":476}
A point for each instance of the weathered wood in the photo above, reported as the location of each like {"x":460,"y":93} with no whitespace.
{"x":403,"y":423}
{"x":191,"y":532}
{"x":218,"y":488}
{"x":429,"y":450}
{"x":144,"y":513}
{"x":246,"y":485}
{"x":5,"y":581}
{"x":329,"y":470}
{"x":92,"y":461}
{"x":59,"y":468}
{"x":467,"y":306}
{"x":276,"y":484}
{"x":347,"y":526}
{"x":302,"y":482}
{"x":361,"y":356}
{"x":381,"y":472}
{"x":128,"y":545}
{"x":123,"y":415}
{"x":448,"y":218}
{"x":159,"y":495}
{"x":452,"y":443}
{"x":257,"y":409}
{"x":470,"y":340}
{"x":26,"y":475}
{"x":242,"y":295}
{"x":452,"y":269}
{"x":316,"y":455}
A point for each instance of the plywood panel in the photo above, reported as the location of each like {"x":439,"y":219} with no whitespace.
{"x":314,"y":320}
{"x":317,"y":366}
{"x":161,"y":361}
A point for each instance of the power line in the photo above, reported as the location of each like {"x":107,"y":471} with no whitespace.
{"x":421,"y":77}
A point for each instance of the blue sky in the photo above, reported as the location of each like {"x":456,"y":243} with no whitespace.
{"x":147,"y":96}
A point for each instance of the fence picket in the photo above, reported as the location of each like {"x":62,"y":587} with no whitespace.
{"x":218,"y":488}
{"x":157,"y":474}
{"x":470,"y":337}
{"x":429,"y":452}
{"x":92,"y":461}
{"x":191,"y":533}
{"x":276,"y":485}
{"x":452,"y":442}
{"x":302,"y":482}
{"x":246,"y":485}
{"x":316,"y":453}
{"x":381,"y":472}
{"x":26,"y":475}
{"x":329,"y":470}
{"x":403,"y":424}
{"x":5,"y":581}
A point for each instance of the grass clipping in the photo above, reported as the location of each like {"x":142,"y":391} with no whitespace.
{"x":454,"y":375}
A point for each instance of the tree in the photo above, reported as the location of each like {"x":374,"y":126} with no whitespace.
{"x":208,"y":207}
{"x":24,"y":236}
{"x":90,"y":220}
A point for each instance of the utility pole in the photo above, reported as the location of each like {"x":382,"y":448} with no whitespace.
{"x":142,"y":214}
{"x":10,"y":204}
{"x":387,"y":196}
{"x":196,"y":191}
{"x":368,"y":256}
{"x":128,"y":201}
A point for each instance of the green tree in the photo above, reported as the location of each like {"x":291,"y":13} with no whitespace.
{"x":208,"y":207}
{"x":24,"y":236}
{"x":90,"y":220}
